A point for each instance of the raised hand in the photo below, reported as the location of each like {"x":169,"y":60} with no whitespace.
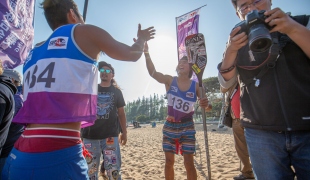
{"x":146,"y":34}
{"x":146,"y":46}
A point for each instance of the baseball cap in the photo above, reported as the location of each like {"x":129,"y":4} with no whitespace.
{"x":11,"y":73}
{"x":103,"y":63}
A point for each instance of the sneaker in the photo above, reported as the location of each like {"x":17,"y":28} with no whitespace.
{"x":242,"y":177}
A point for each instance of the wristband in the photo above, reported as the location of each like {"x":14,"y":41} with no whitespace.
{"x":140,"y":43}
{"x":223,"y":71}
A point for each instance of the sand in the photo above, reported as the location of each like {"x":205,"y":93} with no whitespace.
{"x":143,"y":157}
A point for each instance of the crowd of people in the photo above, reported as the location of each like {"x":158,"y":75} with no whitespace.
{"x":65,"y":134}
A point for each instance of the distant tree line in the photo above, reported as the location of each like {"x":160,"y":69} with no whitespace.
{"x":147,"y":109}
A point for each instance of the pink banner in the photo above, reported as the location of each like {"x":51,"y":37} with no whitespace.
{"x":187,"y":24}
{"x":16,"y":31}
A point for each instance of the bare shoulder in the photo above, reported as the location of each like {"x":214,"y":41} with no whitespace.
{"x":92,"y":39}
{"x":169,"y":79}
{"x":90,"y":30}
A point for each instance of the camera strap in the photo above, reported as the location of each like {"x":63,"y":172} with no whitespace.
{"x":273,"y":56}
{"x":274,"y":53}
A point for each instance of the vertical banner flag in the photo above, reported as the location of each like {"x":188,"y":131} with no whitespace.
{"x":16,"y":31}
{"x":187,"y":24}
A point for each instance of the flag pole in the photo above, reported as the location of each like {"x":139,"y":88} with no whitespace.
{"x":176,"y":27}
{"x":85,"y":10}
{"x":192,"y":10}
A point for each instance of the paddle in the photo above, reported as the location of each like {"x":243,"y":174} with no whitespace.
{"x":197,"y":56}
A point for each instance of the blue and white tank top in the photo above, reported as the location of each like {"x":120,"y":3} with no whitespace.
{"x":181,"y":103}
{"x":60,"y":82}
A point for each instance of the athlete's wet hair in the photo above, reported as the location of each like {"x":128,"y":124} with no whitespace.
{"x":55,"y":11}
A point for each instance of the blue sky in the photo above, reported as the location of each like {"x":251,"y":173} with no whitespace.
{"x":120,"y":18}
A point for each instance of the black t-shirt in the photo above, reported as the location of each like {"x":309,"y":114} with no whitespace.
{"x":7,"y":107}
{"x":109,"y":99}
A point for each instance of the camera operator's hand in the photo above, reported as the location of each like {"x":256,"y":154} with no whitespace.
{"x":285,"y":24}
{"x":236,"y":41}
{"x":146,"y":34}
{"x":281,"y":21}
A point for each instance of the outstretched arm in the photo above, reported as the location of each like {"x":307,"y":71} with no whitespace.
{"x":158,"y":76}
{"x":93,"y":40}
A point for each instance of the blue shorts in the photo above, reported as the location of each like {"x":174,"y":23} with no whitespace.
{"x":179,"y":137}
{"x":67,"y":163}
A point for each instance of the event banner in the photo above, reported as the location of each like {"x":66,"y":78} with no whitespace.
{"x":187,"y":24}
{"x":16,"y":31}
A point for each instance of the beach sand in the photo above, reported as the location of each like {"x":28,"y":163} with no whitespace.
{"x":143,"y":157}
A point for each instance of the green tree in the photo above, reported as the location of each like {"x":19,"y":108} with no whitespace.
{"x":142,"y":118}
{"x":211,"y":84}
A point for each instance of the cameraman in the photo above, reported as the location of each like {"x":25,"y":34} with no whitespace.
{"x":274,"y":109}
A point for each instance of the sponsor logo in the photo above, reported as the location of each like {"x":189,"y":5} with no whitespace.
{"x":87,"y":145}
{"x":13,"y":156}
{"x":113,"y":159}
{"x":108,"y":152}
{"x":190,"y":94}
{"x":174,"y":89}
{"x":115,"y":174}
{"x":58,"y":43}
{"x":193,"y":14}
{"x":110,"y":141}
{"x":183,"y":18}
{"x":189,"y":24}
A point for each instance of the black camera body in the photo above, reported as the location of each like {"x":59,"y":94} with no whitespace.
{"x":257,"y":30}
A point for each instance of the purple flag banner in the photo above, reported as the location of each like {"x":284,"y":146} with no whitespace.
{"x":187,"y":24}
{"x":16,"y":31}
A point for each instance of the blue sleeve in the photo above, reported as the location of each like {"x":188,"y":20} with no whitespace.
{"x":19,"y":102}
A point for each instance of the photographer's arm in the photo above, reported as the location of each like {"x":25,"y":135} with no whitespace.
{"x":235,"y":42}
{"x":284,"y":24}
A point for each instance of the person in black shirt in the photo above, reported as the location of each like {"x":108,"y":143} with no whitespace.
{"x":274,"y":88}
{"x":15,"y":130}
{"x":105,"y":135}
{"x":7,"y":106}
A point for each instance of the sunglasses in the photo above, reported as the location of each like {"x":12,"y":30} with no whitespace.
{"x":105,"y":70}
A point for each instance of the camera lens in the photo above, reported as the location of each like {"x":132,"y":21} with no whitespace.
{"x":260,"y":45}
{"x":259,"y":38}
